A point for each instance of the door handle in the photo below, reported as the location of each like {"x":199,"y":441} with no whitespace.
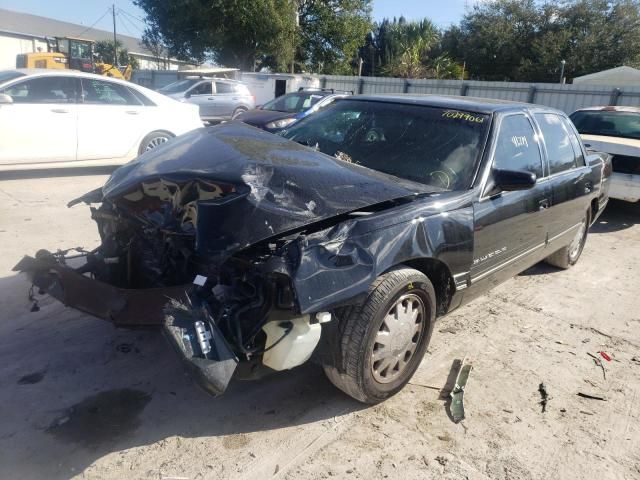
{"x":543,"y":204}
{"x":59,"y":110}
{"x":210,"y":98}
{"x":132,"y":112}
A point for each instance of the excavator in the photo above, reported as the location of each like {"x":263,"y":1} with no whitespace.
{"x":72,"y":53}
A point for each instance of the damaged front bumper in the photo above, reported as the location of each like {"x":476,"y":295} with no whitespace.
{"x":123,"y":307}
{"x":190,"y":330}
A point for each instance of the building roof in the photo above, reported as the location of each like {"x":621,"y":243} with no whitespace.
{"x":614,"y":76}
{"x":36,"y":26}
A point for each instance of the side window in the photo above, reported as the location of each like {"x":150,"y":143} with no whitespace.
{"x":202,"y":89}
{"x":517,"y":146}
{"x":575,"y":142}
{"x":54,"y":89}
{"x":224,"y":87}
{"x":107,"y":93}
{"x":559,"y":148}
{"x":241,"y":89}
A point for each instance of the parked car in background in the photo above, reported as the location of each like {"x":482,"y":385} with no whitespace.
{"x":341,"y":240}
{"x":285,"y":110}
{"x":615,"y":130}
{"x":53,"y":118}
{"x":218,"y":99}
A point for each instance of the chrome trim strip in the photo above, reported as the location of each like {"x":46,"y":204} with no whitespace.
{"x":508,"y":262}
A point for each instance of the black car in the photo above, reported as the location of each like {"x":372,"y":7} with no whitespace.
{"x":284,"y":111}
{"x":341,"y":241}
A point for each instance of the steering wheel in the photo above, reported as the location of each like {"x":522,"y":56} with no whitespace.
{"x":374,"y":135}
{"x":445,"y":178}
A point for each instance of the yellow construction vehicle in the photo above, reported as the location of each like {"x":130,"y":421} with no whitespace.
{"x":73,"y":53}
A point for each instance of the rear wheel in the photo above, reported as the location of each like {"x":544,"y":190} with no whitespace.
{"x":381,"y":343}
{"x":569,"y":255}
{"x":153,"y":140}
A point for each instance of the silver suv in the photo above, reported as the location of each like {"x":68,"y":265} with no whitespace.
{"x":218,"y":99}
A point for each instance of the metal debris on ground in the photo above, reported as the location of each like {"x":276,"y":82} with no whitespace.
{"x":457,"y":394}
{"x":598,"y":363}
{"x":591,"y":397}
{"x":544,"y":396}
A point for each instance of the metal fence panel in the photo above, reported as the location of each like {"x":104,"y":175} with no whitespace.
{"x":563,"y":97}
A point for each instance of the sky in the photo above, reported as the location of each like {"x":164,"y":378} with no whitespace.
{"x":129,"y":17}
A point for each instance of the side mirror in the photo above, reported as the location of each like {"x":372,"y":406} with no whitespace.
{"x":5,"y":99}
{"x":510,"y":180}
{"x":187,"y":95}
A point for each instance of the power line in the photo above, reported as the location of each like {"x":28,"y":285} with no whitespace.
{"x":94,"y":23}
{"x":124,"y":22}
{"x":134,"y":17}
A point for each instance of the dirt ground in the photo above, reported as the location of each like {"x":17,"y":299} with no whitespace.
{"x":79,"y":398}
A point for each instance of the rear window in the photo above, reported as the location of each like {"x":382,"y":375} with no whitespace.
{"x":608,"y":123}
{"x":430,"y":145}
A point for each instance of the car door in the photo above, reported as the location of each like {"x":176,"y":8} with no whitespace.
{"x":41,"y":123}
{"x":510,"y":227}
{"x":569,"y":178}
{"x":111,"y":120}
{"x":226,"y":100}
{"x":202,"y":95}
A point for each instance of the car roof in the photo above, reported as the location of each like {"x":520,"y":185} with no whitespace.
{"x":36,"y":72}
{"x":610,"y":108}
{"x":473,"y":104}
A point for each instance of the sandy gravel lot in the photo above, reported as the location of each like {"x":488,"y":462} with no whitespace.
{"x":79,"y":398}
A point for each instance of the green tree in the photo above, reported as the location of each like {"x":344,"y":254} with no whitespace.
{"x":399,"y":48}
{"x":526,"y":40}
{"x":330,"y":33}
{"x":240,"y":33}
{"x":318,"y":35}
{"x":104,"y":51}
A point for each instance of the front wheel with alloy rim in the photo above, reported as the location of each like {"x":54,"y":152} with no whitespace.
{"x":380,"y":343}
{"x":569,"y":255}
{"x":153,"y":140}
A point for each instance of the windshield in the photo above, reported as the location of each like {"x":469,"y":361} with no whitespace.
{"x":9,"y":75}
{"x":608,"y":123}
{"x":433,"y":146}
{"x":179,"y":86}
{"x":293,"y":102}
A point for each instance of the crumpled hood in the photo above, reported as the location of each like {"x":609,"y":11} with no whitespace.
{"x":232,"y":186}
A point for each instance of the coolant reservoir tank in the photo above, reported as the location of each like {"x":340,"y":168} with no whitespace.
{"x":294,"y":349}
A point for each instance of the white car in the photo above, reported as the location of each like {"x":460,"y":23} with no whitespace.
{"x":55,"y":118}
{"x":616,"y":131}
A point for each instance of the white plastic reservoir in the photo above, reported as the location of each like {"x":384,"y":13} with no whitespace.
{"x":294,"y":349}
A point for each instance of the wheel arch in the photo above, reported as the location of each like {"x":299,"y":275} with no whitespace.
{"x":147,"y":135}
{"x":439,"y":275}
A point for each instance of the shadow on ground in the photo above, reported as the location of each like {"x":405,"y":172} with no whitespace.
{"x":617,"y":216}
{"x":74,"y":388}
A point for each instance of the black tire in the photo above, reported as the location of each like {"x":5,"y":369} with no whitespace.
{"x":237,"y":112}
{"x":154,"y":138}
{"x":359,"y":329}
{"x":569,"y":255}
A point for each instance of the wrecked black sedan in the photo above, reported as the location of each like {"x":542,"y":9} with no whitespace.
{"x":340,"y":241}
